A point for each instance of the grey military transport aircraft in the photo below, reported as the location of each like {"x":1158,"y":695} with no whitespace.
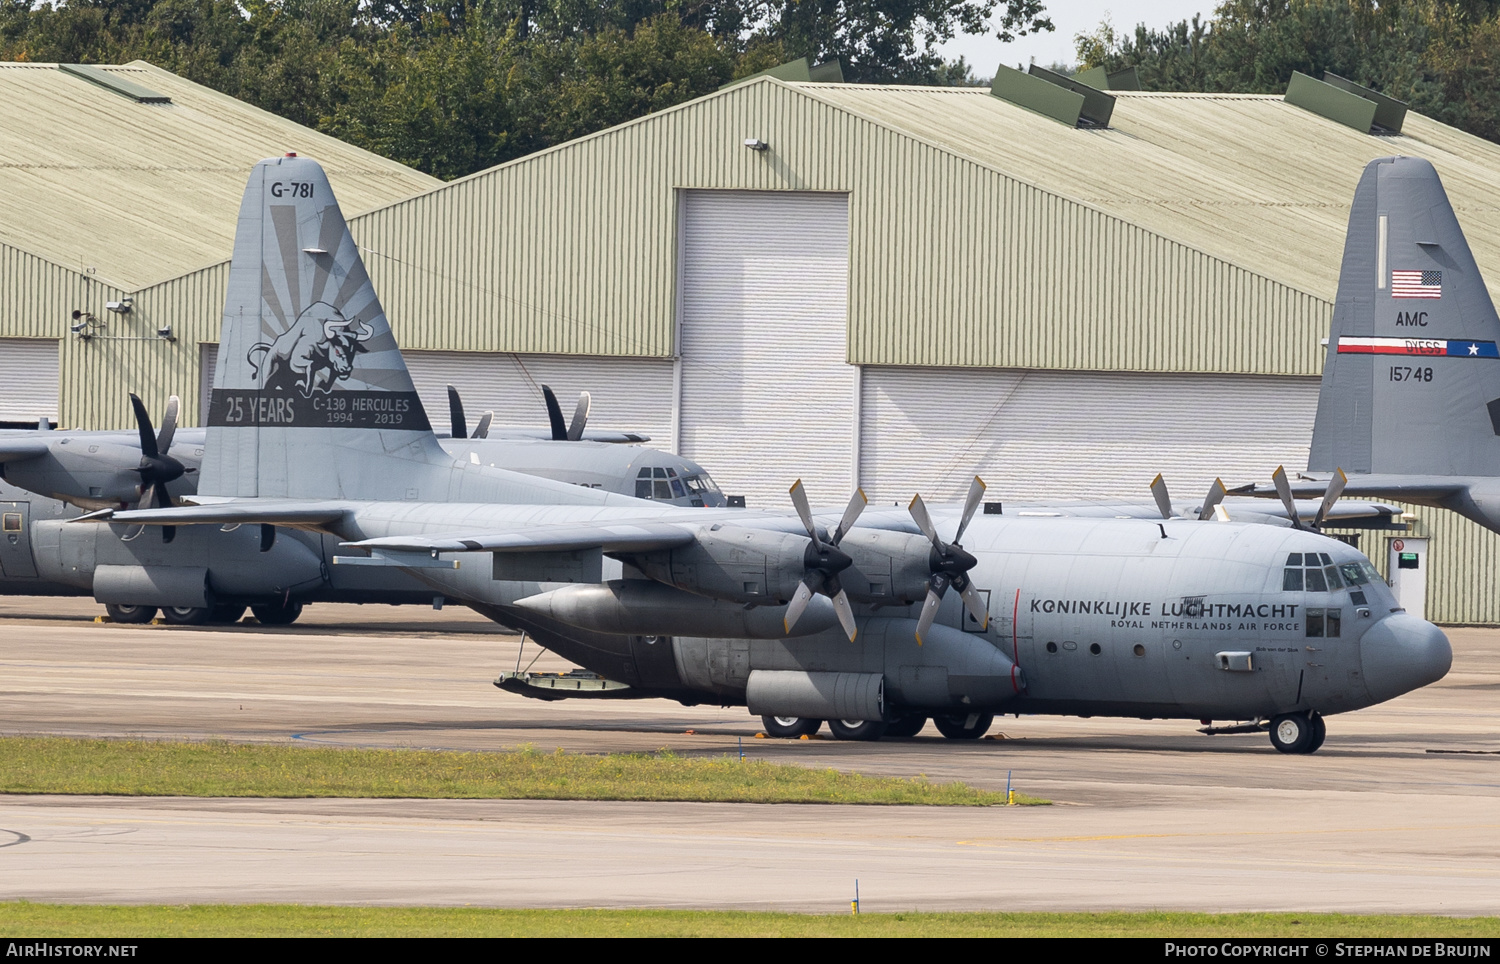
{"x":211,"y":576}
{"x":1409,"y":405}
{"x":772,"y":610}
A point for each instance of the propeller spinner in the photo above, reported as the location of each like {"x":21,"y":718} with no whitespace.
{"x":949,"y":563}
{"x":824,"y":561}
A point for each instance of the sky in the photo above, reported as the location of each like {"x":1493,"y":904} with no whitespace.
{"x":1071,"y":17}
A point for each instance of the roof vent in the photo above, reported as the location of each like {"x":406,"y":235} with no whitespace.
{"x":1347,"y":103}
{"x":1097,"y":78}
{"x":799,"y":70}
{"x":1053,"y":95}
{"x":116,"y":83}
{"x":1390,"y":113}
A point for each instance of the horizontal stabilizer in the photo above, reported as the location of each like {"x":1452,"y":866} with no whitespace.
{"x":617,"y":537}
{"x":1407,"y":488}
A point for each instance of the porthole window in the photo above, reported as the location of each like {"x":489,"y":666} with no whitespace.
{"x":1139,"y":650}
{"x":1094,"y":648}
{"x":1051,"y":647}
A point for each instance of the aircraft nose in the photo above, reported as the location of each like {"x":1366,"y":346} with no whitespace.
{"x":1400,"y":653}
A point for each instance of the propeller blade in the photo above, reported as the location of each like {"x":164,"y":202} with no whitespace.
{"x":857,"y":503}
{"x":482,"y":430}
{"x":974,"y":603}
{"x":458,"y":425}
{"x":580,"y":417}
{"x":159,"y":497}
{"x":143,"y":424}
{"x":1216,"y":494}
{"x":918,"y":510}
{"x":1284,"y":489}
{"x":1331,"y":495}
{"x":1159,"y":493}
{"x":799,"y":499}
{"x":971,"y":502}
{"x":798,"y":605}
{"x":930,"y":605}
{"x":846,"y":614}
{"x":554,"y":415}
{"x":168,"y":425}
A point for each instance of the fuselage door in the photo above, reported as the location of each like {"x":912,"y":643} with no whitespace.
{"x":15,"y":541}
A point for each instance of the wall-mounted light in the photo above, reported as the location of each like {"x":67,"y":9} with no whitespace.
{"x":165,"y":331}
{"x":84,"y":324}
{"x":756,"y":144}
{"x":121,"y":307}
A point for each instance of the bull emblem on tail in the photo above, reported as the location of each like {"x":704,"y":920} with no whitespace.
{"x":316,"y":351}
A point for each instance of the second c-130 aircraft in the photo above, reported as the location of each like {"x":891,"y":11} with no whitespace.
{"x":774,"y":610}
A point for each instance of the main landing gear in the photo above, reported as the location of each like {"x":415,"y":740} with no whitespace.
{"x":1298,"y":732}
{"x":789,"y":727}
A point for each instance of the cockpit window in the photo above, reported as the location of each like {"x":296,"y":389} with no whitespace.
{"x":1316,"y":572}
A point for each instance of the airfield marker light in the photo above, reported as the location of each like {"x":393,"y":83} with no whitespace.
{"x":854,"y":904}
{"x":1010,"y":794}
{"x":742,"y":749}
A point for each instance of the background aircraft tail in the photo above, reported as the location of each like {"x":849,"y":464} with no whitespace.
{"x":311,"y":397}
{"x":1411,"y":384}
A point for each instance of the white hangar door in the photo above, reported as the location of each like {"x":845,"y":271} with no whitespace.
{"x":1076,"y":435}
{"x":766,"y":395}
{"x":28,"y":368}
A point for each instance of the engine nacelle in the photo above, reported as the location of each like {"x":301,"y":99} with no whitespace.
{"x":889,"y":567}
{"x":740,"y":565}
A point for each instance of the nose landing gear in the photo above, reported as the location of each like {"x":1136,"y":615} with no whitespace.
{"x":1298,"y":732}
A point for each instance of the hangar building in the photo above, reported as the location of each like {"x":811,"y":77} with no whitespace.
{"x":893,"y":287}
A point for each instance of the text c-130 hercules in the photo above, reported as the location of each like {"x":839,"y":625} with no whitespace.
{"x":1271,"y":627}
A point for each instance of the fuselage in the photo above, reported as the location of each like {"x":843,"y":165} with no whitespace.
{"x":1127,"y":618}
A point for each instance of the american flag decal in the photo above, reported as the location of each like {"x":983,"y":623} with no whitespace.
{"x":1416,"y":284}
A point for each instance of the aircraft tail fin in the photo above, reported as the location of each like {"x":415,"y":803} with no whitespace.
{"x":1411,"y":383}
{"x":311,"y":397}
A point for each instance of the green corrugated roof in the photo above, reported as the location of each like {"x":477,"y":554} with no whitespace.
{"x":1244,"y":177}
{"x":141,"y":192}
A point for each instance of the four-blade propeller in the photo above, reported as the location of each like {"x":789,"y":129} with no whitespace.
{"x":157,"y":467}
{"x":949,"y":562}
{"x":824,"y":561}
{"x":458,"y":425}
{"x":1216,"y":493}
{"x":1330,"y":495}
{"x":571,"y":431}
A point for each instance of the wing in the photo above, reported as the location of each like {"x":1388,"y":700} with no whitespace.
{"x":21,"y":449}
{"x":611,"y":537}
{"x":280,"y":512}
{"x":589,"y":435}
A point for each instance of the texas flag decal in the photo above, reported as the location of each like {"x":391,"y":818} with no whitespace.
{"x":1418,"y":346}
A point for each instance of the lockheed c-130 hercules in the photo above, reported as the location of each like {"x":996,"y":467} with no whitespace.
{"x":772,"y":610}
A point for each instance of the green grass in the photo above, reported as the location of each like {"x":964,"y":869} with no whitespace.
{"x":219,"y":769}
{"x":286,"y":920}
